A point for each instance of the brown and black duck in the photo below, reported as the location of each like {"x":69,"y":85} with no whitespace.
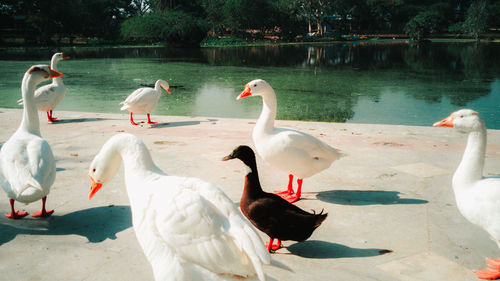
{"x":270,"y":213}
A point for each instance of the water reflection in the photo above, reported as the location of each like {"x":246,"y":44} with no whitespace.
{"x":216,"y":100}
{"x":370,"y":83}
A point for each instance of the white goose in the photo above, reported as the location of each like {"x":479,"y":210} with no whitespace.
{"x":49,"y":96}
{"x":188,"y":229}
{"x":292,"y":151}
{"x":27,"y":165}
{"x":143,"y":100}
{"x":478,"y":198}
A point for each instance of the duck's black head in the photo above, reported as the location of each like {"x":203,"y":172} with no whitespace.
{"x":244,"y":153}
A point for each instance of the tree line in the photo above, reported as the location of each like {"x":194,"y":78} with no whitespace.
{"x":189,"y":22}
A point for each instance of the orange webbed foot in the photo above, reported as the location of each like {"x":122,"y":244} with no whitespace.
{"x":281,"y":192}
{"x":16,"y":215}
{"x":494,"y":264}
{"x":274,"y":246}
{"x":42,"y":213}
{"x":292,"y":198}
{"x":488,"y":273}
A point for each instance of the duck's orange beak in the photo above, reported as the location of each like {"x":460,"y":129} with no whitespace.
{"x":64,"y":57}
{"x":168,"y":90}
{"x":54,"y":74}
{"x":94,"y":187}
{"x":446,"y":122}
{"x":246,"y":93}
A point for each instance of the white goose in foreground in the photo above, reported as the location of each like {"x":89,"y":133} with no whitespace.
{"x":188,"y":229}
{"x":49,"y":96}
{"x":27,"y":165}
{"x":143,"y":100}
{"x":478,"y":198}
{"x":292,"y":151}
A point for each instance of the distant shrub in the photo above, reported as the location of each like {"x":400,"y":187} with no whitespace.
{"x":456,"y":28}
{"x":422,"y":25}
{"x":174,"y":27}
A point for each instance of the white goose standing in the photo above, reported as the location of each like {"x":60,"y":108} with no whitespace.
{"x":27,"y":165}
{"x":188,"y":229}
{"x":292,"y":151}
{"x":49,"y":96}
{"x":143,"y":100}
{"x":478,"y":198}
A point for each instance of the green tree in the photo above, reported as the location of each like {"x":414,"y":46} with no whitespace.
{"x":172,"y":27}
{"x":422,"y":25}
{"x":476,"y":20}
{"x":213,"y":17}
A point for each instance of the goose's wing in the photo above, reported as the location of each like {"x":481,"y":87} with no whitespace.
{"x":44,"y":93}
{"x":204,"y":234}
{"x":41,"y":161}
{"x":139,"y":96}
{"x":27,"y":164}
{"x":294,"y":140}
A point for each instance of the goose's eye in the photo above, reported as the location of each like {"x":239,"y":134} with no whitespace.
{"x":93,"y":170}
{"x":461,"y":116}
{"x":254,"y":85}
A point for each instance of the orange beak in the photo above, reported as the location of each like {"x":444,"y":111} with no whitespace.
{"x":54,"y":74}
{"x":246,"y":93}
{"x":168,"y":90}
{"x":64,"y":57}
{"x":94,"y":187}
{"x":447,"y":122}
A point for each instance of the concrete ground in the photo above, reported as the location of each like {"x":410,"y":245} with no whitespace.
{"x":392,"y":212}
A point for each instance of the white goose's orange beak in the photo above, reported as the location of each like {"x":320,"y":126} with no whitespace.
{"x":168,"y":90}
{"x":94,"y":187}
{"x":246,"y":93}
{"x":64,"y":57}
{"x":446,"y":122}
{"x":54,"y":74}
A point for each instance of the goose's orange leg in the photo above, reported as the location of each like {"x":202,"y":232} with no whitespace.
{"x":15,"y":214}
{"x":43,"y":212}
{"x":149,"y":120}
{"x":289,"y":189}
{"x":50,"y":117}
{"x":295,"y":196}
{"x":132,"y":119}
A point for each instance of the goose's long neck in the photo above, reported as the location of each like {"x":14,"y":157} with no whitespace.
{"x":137,"y":160}
{"x":138,"y":165}
{"x":53,"y":66}
{"x":30,"y":121}
{"x":471,"y":166}
{"x":158,"y":86}
{"x":265,"y":123}
{"x":252,"y":187}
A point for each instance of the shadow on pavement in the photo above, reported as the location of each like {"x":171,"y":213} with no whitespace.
{"x":78,"y":120}
{"x":325,"y":250}
{"x":365,"y":197}
{"x":96,"y":224}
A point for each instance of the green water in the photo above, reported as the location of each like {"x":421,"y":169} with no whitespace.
{"x":363,"y":83}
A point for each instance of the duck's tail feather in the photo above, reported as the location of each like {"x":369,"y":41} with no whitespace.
{"x":319,"y":217}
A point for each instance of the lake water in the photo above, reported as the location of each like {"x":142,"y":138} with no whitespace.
{"x":391,"y":83}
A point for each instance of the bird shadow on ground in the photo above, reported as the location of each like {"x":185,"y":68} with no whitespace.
{"x":316,"y":249}
{"x":96,"y":224}
{"x":365,"y":197}
{"x":180,"y":123}
{"x":78,"y":120}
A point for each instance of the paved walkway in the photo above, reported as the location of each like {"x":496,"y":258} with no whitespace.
{"x":392,"y":213}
